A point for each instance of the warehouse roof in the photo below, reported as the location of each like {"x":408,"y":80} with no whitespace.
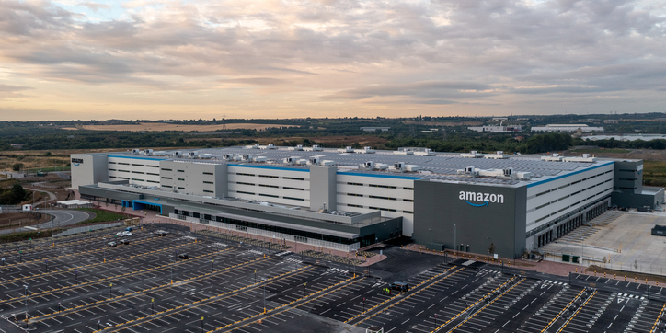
{"x":437,"y":166}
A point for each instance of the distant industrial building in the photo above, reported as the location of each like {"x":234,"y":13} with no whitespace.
{"x":373,"y":129}
{"x":626,"y":137}
{"x":497,"y":128}
{"x":567,"y":128}
{"x":346,"y":198}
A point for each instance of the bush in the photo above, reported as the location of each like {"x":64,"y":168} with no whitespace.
{"x":22,"y":236}
{"x":17,"y":166}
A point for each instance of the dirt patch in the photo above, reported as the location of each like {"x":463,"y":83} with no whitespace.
{"x":165,"y":127}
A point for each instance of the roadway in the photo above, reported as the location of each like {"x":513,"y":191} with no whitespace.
{"x":61,"y":218}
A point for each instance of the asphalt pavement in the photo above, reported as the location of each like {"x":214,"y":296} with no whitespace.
{"x":61,"y":218}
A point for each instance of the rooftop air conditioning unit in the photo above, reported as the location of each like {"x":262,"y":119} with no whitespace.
{"x":507,"y":172}
{"x":314,"y":160}
{"x":246,"y":157}
{"x":369,"y":164}
{"x":288,"y":160}
{"x":135,"y":151}
{"x":399,"y":165}
{"x":178,"y":153}
{"x":148,"y":151}
{"x":227,"y":156}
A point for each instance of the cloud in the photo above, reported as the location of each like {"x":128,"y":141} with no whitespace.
{"x":499,"y":54}
{"x":7,"y":91}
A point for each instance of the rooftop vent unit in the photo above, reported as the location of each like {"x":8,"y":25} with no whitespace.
{"x":369,"y":164}
{"x":425,"y":152}
{"x":552,"y":158}
{"x":498,"y":155}
{"x":472,"y":154}
{"x":412,"y":168}
{"x":136,"y":151}
{"x":301,"y":161}
{"x":403,"y":152}
{"x":147,"y":151}
{"x":297,"y":148}
{"x":259,"y":159}
{"x":254,"y":146}
{"x":399,"y":166}
{"x":268,"y":146}
{"x":178,"y":153}
{"x":193,"y":154}
{"x":327,"y":163}
{"x":507,"y":172}
{"x":586,"y":158}
{"x":380,"y":166}
{"x":227,"y":157}
{"x":288,"y":160}
{"x":314,"y":160}
{"x":313,"y":148}
{"x":246,"y":157}
{"x":206,"y":156}
{"x":468,"y":170}
{"x":347,"y":149}
{"x":365,"y":150}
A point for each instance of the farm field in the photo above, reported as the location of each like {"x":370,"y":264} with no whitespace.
{"x":165,"y":127}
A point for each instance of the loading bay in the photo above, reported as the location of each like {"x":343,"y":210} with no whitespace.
{"x":80,"y":284}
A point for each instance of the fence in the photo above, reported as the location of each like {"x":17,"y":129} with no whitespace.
{"x":275,"y":235}
{"x":78,"y":230}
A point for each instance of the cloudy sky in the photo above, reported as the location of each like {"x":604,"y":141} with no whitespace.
{"x":169,"y":59}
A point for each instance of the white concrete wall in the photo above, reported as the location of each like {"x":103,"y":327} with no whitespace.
{"x":280,"y":190}
{"x":564,"y":196}
{"x":144,"y":172}
{"x":403,"y":193}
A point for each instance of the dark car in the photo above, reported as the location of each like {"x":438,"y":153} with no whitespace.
{"x":399,"y":286}
{"x":124,"y":241}
{"x":183,"y":256}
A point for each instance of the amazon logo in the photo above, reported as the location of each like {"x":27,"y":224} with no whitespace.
{"x":480,"y":199}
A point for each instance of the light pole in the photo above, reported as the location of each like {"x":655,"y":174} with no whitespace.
{"x":26,"y":304}
{"x":264,"y":297}
{"x":455,"y":247}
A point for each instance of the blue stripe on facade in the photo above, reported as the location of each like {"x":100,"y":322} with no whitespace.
{"x":138,"y":157}
{"x":567,"y":175}
{"x":269,"y":167}
{"x":375,"y":176}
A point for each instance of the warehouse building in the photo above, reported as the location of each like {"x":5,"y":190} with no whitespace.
{"x":350,"y":198}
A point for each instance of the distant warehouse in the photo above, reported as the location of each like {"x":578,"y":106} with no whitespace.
{"x":351,"y":198}
{"x":567,"y":128}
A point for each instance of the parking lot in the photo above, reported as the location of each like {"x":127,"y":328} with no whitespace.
{"x":80,"y":284}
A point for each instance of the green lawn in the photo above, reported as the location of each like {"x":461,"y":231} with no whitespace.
{"x":102,"y":216}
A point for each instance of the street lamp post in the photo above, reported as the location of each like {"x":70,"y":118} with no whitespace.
{"x":455,"y":247}
{"x":26,"y":304}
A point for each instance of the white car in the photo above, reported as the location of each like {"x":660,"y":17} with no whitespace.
{"x":124,"y":233}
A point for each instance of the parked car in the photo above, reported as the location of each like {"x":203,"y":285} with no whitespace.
{"x":124,"y":233}
{"x":183,"y":256}
{"x":113,"y":244}
{"x":399,"y":286}
{"x":124,"y":241}
{"x":161,"y":233}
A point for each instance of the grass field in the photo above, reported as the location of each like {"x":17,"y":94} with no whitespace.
{"x":51,"y":169}
{"x":601,"y":151}
{"x":102,"y":216}
{"x":165,"y":127}
{"x":654,"y":173}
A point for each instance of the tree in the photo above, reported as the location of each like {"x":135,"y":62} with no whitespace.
{"x":17,"y":166}
{"x":491,"y":249}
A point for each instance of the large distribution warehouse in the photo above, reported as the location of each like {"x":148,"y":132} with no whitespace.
{"x":350,"y":198}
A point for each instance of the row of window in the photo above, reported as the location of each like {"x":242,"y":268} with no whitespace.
{"x":269,"y":195}
{"x":572,"y":194}
{"x":379,"y":208}
{"x":269,"y":186}
{"x":378,"y":197}
{"x":572,"y":183}
{"x":267,"y":176}
{"x":572,"y":205}
{"x":379,"y":186}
